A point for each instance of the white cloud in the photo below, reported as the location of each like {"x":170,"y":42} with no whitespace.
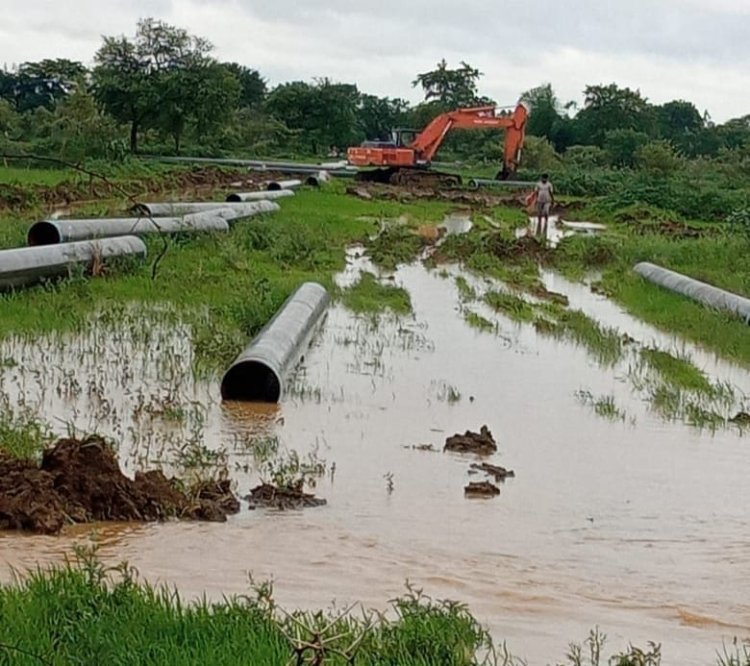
{"x":669,"y":49}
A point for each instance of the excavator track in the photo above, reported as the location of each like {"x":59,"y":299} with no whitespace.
{"x":406,"y":177}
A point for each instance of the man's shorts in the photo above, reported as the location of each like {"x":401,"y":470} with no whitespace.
{"x":543,"y":208}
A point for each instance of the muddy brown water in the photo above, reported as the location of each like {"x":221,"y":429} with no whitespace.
{"x":640,"y":527}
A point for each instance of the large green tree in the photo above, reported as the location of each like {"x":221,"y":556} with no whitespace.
{"x":162,"y":78}
{"x":41,"y":84}
{"x":253,"y":88}
{"x":377,"y":116}
{"x":611,"y":107}
{"x":324,"y":112}
{"x":450,"y":88}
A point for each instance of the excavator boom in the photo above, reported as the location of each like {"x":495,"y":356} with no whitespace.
{"x":422,"y":150}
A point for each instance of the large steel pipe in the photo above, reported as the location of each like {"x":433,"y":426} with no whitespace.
{"x":711,"y":296}
{"x":259,"y":372}
{"x":179,"y":208}
{"x":276,"y":185}
{"x":26,"y":265}
{"x":317,"y":179}
{"x":259,"y":196}
{"x":50,"y":232}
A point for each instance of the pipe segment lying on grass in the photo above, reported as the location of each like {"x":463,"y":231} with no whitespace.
{"x":265,"y":195}
{"x":26,"y":265}
{"x":50,"y":232}
{"x":317,"y":179}
{"x":259,"y":372}
{"x":276,"y":185}
{"x":710,"y":296}
{"x":179,"y":208}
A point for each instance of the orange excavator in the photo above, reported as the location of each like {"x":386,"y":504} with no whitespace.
{"x":407,"y":157}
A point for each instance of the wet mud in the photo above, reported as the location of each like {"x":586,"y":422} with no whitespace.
{"x":480,"y":443}
{"x":81,"y":482}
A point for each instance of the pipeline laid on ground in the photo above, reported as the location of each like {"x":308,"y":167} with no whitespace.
{"x":711,"y":296}
{"x":259,"y":372}
{"x":340,"y":169}
{"x":50,"y":232}
{"x":264,"y":195}
{"x":26,"y":265}
{"x":476,"y":183}
{"x":276,"y":185}
{"x":232,"y":210}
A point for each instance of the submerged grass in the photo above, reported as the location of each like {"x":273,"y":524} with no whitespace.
{"x":84,"y":613}
{"x":369,"y":295}
{"x":675,"y":370}
{"x":512,"y":306}
{"x":22,"y":435}
{"x":477,"y":321}
{"x":603,"y":343}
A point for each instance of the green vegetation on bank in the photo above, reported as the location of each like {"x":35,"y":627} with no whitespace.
{"x":84,"y":613}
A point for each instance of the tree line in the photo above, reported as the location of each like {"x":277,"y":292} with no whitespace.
{"x":163,"y":91}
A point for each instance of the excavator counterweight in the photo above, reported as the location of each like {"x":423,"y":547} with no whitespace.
{"x":409,"y":162}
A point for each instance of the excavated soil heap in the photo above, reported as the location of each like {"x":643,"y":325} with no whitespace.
{"x":81,"y":481}
{"x":481,"y":443}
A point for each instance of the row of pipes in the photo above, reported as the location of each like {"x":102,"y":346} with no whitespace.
{"x":259,"y":373}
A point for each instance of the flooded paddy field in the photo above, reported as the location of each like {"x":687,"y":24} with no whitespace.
{"x":627,"y":510}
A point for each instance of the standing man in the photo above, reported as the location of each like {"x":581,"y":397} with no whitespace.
{"x":545,"y":197}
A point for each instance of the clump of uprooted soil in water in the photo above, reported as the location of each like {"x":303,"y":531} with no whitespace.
{"x":495,"y":471}
{"x":267,"y":495}
{"x":481,"y":489}
{"x":481,"y":443}
{"x":80,"y":481}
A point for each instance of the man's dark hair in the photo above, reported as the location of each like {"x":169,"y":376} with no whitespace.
{"x":545,"y":176}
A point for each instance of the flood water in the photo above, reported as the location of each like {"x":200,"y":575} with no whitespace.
{"x":637,"y":526}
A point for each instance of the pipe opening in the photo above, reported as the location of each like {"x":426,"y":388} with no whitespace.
{"x":312,"y":181}
{"x":44,"y":233}
{"x":273,"y":186}
{"x":234,"y":198}
{"x":251,"y":381}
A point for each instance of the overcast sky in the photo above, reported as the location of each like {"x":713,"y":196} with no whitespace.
{"x":670,"y":49}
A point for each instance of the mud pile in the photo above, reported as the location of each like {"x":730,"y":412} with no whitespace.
{"x":481,"y":443}
{"x":499,"y":473}
{"x":81,"y":481}
{"x":192,"y":182}
{"x":481,"y":489}
{"x":270,"y":496}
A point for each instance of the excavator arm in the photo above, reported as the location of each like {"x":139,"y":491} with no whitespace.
{"x":427,"y":144}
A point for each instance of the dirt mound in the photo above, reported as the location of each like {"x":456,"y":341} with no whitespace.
{"x":81,"y":481}
{"x":269,"y":496}
{"x":741,"y":418}
{"x":481,"y":443}
{"x":499,"y":473}
{"x":414,"y":193}
{"x":191,"y":182}
{"x":481,"y":489}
